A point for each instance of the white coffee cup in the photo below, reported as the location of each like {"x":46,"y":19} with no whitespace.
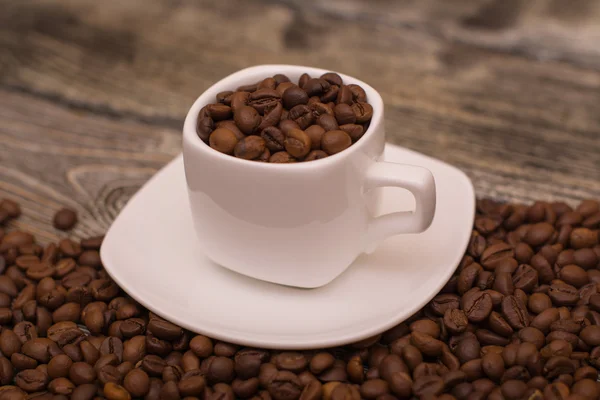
{"x":299,"y":224}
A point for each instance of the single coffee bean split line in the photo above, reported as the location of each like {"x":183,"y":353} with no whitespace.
{"x":279,"y":121}
{"x":519,"y":319}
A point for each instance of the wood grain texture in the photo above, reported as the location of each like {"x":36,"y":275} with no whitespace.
{"x":93,"y":94}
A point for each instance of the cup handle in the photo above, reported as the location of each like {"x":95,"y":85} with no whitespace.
{"x":420,"y":182}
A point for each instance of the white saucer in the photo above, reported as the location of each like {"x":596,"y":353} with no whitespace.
{"x":150,"y":251}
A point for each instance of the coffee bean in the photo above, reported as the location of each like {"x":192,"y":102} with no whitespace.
{"x":297,"y":143}
{"x":344,"y":96}
{"x":65,"y":219}
{"x":489,"y":338}
{"x":328,"y":123}
{"x":374,"y":388}
{"x":455,"y":321}
{"x":477,"y":305}
{"x":294,"y":96}
{"x":315,"y":155}
{"x":331,"y":95}
{"x":332,"y":78}
{"x":315,"y":132}
{"x":223,"y":140}
{"x":426,"y":344}
{"x":114,"y":391}
{"x":353,"y":130}
{"x":467,"y":349}
{"x":315,"y":86}
{"x":573,"y":275}
{"x":218,"y":112}
{"x":285,"y":385}
{"x":274,"y":139}
{"x":137,"y":382}
{"x":268,"y":83}
{"x":231,"y":126}
{"x":358,"y":93}
{"x":31,"y":380}
{"x":362,"y":111}
{"x":583,"y":238}
{"x":443,"y":302}
{"x":525,"y":278}
{"x":493,"y":255}
{"x":333,"y":142}
{"x":282,"y":157}
{"x":515,"y":313}
{"x":344,"y":114}
{"x":301,"y":115}
{"x":591,"y":335}
{"x":264,"y":99}
{"x":247,"y":119}
{"x":6,"y":371}
{"x":563,"y":294}
{"x":335,"y":373}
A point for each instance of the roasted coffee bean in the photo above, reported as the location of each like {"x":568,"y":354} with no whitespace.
{"x":573,"y":275}
{"x":65,"y":219}
{"x":247,"y":119}
{"x":81,"y":373}
{"x":525,"y":278}
{"x":345,"y":95}
{"x":282,"y":157}
{"x":265,"y":99}
{"x":315,"y":155}
{"x":223,"y":140}
{"x":315,"y":86}
{"x":274,"y":138}
{"x":335,"y":373}
{"x":355,"y":131}
{"x":231,"y":126}
{"x":583,"y":237}
{"x":285,"y":385}
{"x":301,"y":115}
{"x":297,"y":143}
{"x":315,"y":133}
{"x":250,"y":148}
{"x":515,"y":313}
{"x":467,"y":349}
{"x":488,"y":338}
{"x":294,"y":96}
{"x":31,"y":380}
{"x":344,"y":114}
{"x":362,"y":111}
{"x":539,"y":302}
{"x":333,"y":142}
{"x":90,"y":258}
{"x":477,"y":305}
{"x":443,"y":302}
{"x":328,"y":122}
{"x":218,"y":112}
{"x":494,"y":255}
{"x":563,"y":294}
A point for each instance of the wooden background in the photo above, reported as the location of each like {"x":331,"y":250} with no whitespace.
{"x":93,"y":93}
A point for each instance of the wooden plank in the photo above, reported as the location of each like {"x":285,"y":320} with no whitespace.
{"x":93,"y":94}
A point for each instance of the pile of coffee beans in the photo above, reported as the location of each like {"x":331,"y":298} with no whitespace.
{"x":520,"y":319}
{"x":278,"y":121}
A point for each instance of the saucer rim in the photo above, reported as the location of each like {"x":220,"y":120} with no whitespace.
{"x":284,"y":343}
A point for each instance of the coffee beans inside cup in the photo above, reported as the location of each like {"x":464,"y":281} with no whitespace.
{"x":278,"y":121}
{"x":520,"y":319}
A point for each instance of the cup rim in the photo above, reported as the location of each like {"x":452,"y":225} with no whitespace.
{"x":255,"y":73}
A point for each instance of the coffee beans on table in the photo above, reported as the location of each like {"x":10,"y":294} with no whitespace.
{"x":520,"y":318}
{"x":278,"y":121}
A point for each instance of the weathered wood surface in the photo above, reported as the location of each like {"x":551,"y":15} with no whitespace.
{"x":93,"y":94}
